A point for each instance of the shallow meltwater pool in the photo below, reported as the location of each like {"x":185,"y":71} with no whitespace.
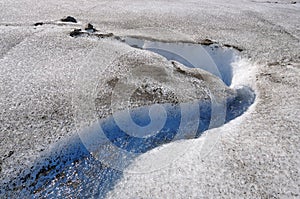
{"x":144,"y":104}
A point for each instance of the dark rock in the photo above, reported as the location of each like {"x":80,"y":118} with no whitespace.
{"x":79,"y":32}
{"x":105,"y":35}
{"x":10,"y":153}
{"x":75,"y":32}
{"x":206,"y":42}
{"x":232,"y":46}
{"x":39,"y":24}
{"x":90,"y":28}
{"x":69,"y":19}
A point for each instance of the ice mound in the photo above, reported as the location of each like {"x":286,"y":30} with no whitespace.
{"x":142,"y":78}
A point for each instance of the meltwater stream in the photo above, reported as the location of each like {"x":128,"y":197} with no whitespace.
{"x":90,"y":163}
